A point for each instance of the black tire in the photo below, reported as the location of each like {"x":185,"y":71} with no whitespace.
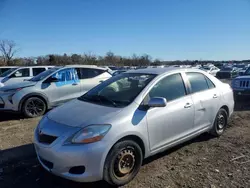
{"x":34,"y":107}
{"x":115,"y":159}
{"x":220,"y":123}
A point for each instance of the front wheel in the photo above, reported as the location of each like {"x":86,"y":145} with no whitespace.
{"x":33,"y":107}
{"x":123,"y":163}
{"x":220,"y":123}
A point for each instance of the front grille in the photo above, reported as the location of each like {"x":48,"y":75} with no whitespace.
{"x":46,"y":139}
{"x":46,"y":163}
{"x":244,"y":84}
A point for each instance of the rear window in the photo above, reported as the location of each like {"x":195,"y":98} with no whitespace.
{"x":84,"y":73}
{"x":37,"y":71}
{"x":197,"y":81}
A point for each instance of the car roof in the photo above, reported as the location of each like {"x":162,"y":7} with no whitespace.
{"x":84,"y":66}
{"x":158,"y":71}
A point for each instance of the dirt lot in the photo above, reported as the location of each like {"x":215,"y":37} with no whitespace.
{"x":202,"y":162}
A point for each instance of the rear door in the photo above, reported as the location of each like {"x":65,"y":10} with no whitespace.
{"x":166,"y":125}
{"x":206,"y":99}
{"x":90,"y":77}
{"x":19,"y":76}
{"x":67,"y":88}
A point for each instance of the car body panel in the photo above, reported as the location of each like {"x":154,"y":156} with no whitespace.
{"x":54,"y":93}
{"x":157,"y":128}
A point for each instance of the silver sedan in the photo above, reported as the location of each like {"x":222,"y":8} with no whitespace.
{"x":110,"y":130}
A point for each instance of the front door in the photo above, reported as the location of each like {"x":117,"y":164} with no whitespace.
{"x":173,"y":122}
{"x":66,"y":88}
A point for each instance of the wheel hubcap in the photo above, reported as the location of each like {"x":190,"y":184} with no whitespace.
{"x":221,"y":121}
{"x":124,"y":163}
{"x":35,"y":107}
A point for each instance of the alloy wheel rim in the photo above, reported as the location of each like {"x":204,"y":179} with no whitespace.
{"x":35,"y":107}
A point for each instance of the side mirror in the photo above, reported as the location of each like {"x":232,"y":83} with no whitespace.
{"x":51,"y":79}
{"x":157,"y":102}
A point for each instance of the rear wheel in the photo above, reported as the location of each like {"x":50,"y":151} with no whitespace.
{"x":220,"y":123}
{"x":34,"y":107}
{"x":123,"y":163}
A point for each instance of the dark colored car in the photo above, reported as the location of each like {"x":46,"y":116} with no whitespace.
{"x":227,"y":73}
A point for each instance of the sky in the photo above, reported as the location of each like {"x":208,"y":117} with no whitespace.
{"x":164,"y":29}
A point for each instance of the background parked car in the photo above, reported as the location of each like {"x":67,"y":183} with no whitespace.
{"x":50,"y":88}
{"x":227,"y":73}
{"x":19,"y":74}
{"x":241,"y":85}
{"x":4,"y":69}
{"x":210,"y":69}
{"x":106,"y":134}
{"x":118,"y":72}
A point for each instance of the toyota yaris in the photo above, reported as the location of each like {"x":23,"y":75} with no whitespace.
{"x":107,"y":132}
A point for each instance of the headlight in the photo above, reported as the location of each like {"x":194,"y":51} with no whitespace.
{"x":236,"y":83}
{"x":90,"y":134}
{"x":12,"y":90}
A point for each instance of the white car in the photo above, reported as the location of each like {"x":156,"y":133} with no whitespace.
{"x":19,"y":74}
{"x":210,"y":69}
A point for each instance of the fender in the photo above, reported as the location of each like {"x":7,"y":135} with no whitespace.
{"x":32,"y":95}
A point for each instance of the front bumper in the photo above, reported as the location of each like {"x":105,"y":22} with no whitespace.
{"x":8,"y":103}
{"x":242,"y":92}
{"x":59,"y":159}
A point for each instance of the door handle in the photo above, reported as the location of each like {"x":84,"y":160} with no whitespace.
{"x":101,"y":81}
{"x":188,"y":105}
{"x":215,"y":96}
{"x":75,"y":84}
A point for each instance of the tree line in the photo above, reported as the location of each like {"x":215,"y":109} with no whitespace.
{"x":8,"y":50}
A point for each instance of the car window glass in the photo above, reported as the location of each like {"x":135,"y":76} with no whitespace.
{"x":209,"y":83}
{"x":21,"y":73}
{"x":197,"y":81}
{"x":89,"y":72}
{"x":66,"y":75}
{"x":171,"y":87}
{"x":37,"y":71}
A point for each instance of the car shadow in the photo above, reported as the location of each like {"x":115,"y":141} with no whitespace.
{"x":242,"y":104}
{"x":201,"y":138}
{"x":7,"y":116}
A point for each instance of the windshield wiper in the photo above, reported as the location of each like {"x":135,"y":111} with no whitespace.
{"x":99,"y":98}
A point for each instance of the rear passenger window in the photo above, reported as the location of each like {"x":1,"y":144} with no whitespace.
{"x":209,"y":83}
{"x":199,"y":82}
{"x":171,"y":88}
{"x":84,"y":73}
{"x":37,"y":71}
{"x":21,"y":73}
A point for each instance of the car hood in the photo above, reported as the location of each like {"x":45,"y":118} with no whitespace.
{"x":243,"y":77}
{"x":19,"y":85}
{"x":78,"y":113}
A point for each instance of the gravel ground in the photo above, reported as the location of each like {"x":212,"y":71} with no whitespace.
{"x":202,"y":162}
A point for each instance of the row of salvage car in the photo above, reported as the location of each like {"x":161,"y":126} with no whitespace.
{"x":114,"y":123}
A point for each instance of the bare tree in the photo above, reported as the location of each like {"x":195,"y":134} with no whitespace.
{"x":8,"y":50}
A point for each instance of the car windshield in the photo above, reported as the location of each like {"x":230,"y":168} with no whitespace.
{"x":43,"y":75}
{"x":118,"y":91}
{"x":6,"y":73}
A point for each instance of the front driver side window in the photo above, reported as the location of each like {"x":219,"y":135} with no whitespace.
{"x":170,"y":87}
